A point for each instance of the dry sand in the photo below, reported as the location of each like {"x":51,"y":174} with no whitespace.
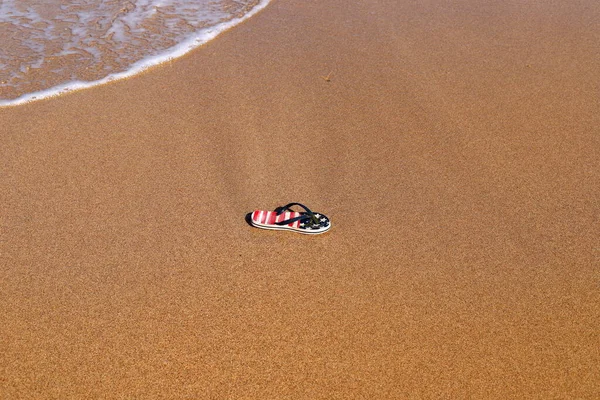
{"x":456,"y":149}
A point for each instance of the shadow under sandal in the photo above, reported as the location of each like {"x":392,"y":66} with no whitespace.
{"x":284,"y":218}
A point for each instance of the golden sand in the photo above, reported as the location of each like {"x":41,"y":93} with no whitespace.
{"x":454,"y":145}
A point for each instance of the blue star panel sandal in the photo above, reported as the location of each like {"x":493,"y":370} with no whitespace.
{"x":283,"y":218}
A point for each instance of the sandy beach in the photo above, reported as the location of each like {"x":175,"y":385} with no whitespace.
{"x":454,"y":145}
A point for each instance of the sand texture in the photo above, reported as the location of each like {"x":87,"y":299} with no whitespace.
{"x":455,"y":146}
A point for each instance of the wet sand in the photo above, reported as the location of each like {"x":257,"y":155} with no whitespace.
{"x":455,"y":146}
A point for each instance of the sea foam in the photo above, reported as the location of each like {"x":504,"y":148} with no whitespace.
{"x":56,"y":48}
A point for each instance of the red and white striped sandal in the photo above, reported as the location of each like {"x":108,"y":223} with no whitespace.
{"x":283,"y":218}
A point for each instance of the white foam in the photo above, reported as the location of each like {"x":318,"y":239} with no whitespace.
{"x":122,"y":30}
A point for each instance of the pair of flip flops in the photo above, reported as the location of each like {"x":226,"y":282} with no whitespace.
{"x":284,"y":218}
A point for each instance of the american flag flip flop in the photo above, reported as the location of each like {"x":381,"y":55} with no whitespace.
{"x":283,"y":218}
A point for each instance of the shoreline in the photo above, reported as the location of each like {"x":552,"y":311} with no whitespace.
{"x":454,"y":148}
{"x":142,"y":66}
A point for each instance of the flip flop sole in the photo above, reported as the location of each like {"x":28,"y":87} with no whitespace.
{"x":290,"y":228}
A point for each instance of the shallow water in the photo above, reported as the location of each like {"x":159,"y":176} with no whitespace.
{"x":53,"y":47}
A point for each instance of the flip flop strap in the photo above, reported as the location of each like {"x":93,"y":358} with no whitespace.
{"x":282,"y":209}
{"x":300,"y":218}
